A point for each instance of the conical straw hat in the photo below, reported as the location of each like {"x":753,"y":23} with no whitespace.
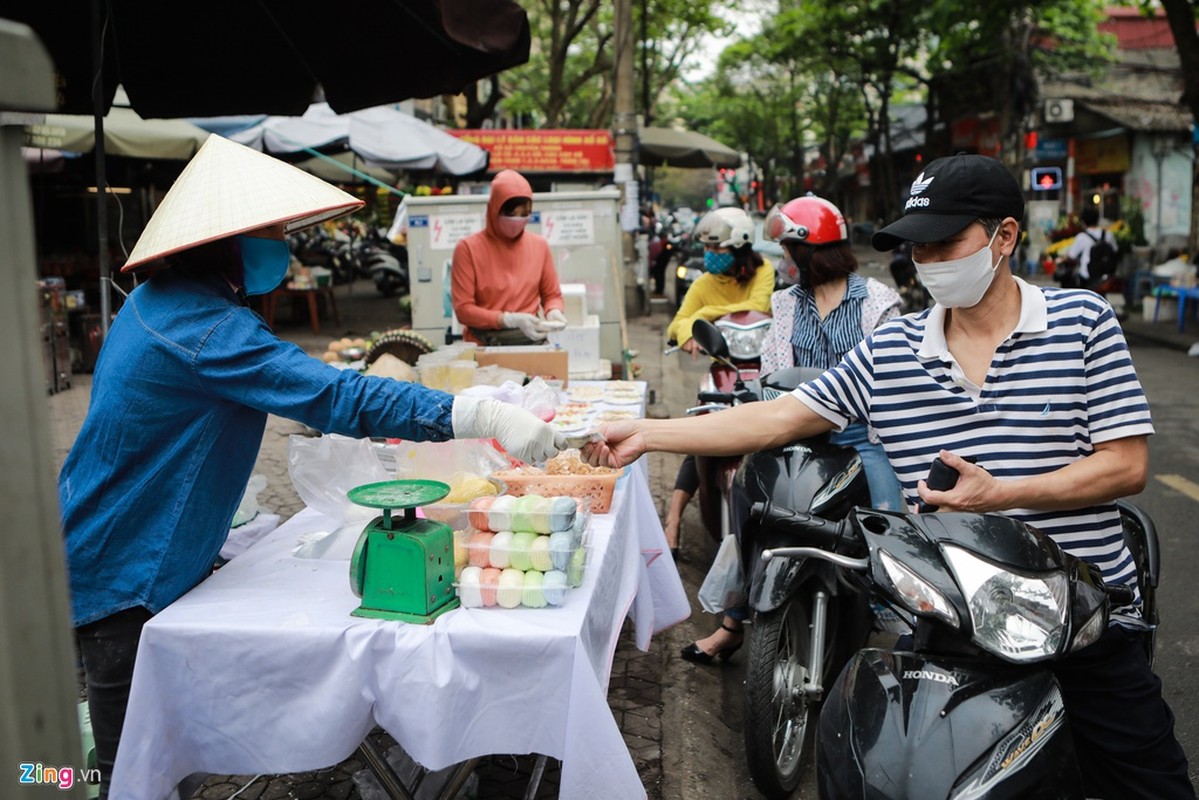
{"x":228,"y":188}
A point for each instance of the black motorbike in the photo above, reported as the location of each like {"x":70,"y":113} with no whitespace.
{"x":807,"y":618}
{"x":914,"y":297}
{"x":970,"y":709}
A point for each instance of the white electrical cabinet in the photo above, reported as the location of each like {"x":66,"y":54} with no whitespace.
{"x":583,"y":232}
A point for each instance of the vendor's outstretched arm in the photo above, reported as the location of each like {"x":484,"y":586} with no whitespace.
{"x":735,"y":431}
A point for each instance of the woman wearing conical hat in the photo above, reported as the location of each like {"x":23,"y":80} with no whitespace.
{"x":180,"y":397}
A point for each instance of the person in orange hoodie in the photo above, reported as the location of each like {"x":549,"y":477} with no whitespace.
{"x":505,"y":287}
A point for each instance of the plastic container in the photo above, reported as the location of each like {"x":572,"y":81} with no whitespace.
{"x":492,"y":587}
{"x":458,"y":515}
{"x":460,"y":374}
{"x":484,"y":585}
{"x":532,"y":513}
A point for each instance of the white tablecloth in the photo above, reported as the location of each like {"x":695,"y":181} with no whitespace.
{"x":261,"y":668}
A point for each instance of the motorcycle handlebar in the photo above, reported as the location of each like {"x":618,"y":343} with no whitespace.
{"x":1121,"y":595}
{"x":716,"y":397}
{"x":817,"y":531}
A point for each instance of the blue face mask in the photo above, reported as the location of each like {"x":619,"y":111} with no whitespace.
{"x":717,"y":263}
{"x":264,"y":262}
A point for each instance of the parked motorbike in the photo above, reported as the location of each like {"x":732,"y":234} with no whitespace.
{"x":741,"y":336}
{"x":914,"y":297}
{"x":387,"y":265}
{"x":807,"y":618}
{"x":972,"y":709}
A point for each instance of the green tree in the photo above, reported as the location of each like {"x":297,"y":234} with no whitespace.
{"x":568,"y":80}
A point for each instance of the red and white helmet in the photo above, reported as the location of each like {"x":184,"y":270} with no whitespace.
{"x":806,"y":220}
{"x":725,"y":227}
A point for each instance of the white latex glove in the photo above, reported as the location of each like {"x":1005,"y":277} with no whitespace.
{"x":528,"y":324}
{"x":555,"y":320}
{"x":522,"y":434}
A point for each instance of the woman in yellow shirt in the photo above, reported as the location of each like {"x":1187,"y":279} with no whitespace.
{"x":735,"y":279}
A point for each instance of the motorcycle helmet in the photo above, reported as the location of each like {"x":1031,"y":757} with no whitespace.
{"x":725,"y":227}
{"x":807,"y":220}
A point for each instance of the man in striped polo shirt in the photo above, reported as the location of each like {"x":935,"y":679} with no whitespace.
{"x":1034,"y":384}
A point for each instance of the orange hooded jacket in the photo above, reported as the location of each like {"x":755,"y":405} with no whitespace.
{"x":493,"y":273}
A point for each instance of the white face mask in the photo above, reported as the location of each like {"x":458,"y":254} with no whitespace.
{"x":960,"y":283}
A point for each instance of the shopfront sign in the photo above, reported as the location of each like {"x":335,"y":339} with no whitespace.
{"x":1109,"y":154}
{"x":544,"y":150}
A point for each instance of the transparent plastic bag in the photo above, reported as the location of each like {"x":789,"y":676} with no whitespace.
{"x":324,"y":469}
{"x":446,"y":461}
{"x":724,"y":585}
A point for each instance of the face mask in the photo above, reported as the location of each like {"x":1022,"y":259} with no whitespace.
{"x":717,"y":263}
{"x":512,"y":226}
{"x":788,"y":273}
{"x":960,"y":283}
{"x":264,"y":262}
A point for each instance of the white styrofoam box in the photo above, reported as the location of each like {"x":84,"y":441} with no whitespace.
{"x":574,"y":299}
{"x":582,"y":344}
{"x":1168,"y":312}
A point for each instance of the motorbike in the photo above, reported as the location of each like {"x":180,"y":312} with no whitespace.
{"x":741,"y":336}
{"x":807,"y":618}
{"x":914,"y":297}
{"x":970,"y":709}
{"x":690,"y":267}
{"x":669,"y":248}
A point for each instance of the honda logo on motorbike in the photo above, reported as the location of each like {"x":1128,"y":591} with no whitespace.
{"x":929,"y":675}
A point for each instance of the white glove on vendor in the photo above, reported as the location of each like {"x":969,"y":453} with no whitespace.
{"x":528,"y":324}
{"x":555,"y":320}
{"x":522,"y":434}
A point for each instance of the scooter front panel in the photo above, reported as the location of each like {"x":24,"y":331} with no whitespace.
{"x":902,"y":725}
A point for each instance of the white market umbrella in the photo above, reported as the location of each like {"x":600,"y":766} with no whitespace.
{"x":125,"y":134}
{"x":381,"y":136}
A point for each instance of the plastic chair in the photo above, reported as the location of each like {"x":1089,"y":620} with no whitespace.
{"x":1184,"y":295}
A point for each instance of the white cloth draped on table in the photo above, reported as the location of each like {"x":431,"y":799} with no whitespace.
{"x":261,"y":668}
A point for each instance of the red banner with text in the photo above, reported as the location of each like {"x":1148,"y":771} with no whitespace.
{"x":544,"y":150}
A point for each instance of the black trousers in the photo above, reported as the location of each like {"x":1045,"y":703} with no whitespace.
{"x":108,"y":648}
{"x":688,"y":477}
{"x":1123,"y":729}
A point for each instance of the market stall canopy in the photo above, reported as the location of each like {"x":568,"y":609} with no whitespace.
{"x":125,"y":134}
{"x":668,"y":147}
{"x":346,"y":168}
{"x":272,"y":56}
{"x":382,"y":136}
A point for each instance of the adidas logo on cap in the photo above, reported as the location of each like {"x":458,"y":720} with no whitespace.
{"x":918,"y":187}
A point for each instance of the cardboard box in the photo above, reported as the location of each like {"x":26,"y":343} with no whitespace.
{"x":551,"y":363}
{"x":582,"y":342}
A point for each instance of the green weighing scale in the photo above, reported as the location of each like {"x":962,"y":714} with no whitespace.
{"x":403,"y":569}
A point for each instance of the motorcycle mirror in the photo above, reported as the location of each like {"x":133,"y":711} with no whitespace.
{"x":710,"y":339}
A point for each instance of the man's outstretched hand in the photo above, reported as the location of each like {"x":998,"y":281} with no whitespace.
{"x":623,"y":443}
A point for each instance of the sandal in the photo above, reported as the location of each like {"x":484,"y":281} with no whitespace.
{"x":694,"y":654}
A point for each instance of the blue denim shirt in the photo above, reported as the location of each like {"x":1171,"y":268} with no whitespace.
{"x":180,"y":398}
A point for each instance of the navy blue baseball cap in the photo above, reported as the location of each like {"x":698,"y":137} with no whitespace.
{"x":948,"y":195}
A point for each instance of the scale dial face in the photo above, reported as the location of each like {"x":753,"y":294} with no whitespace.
{"x":398,"y":494}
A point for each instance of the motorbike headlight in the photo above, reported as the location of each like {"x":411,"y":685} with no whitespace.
{"x":1016,"y":617}
{"x":745,"y":342}
{"x":920,"y":596}
{"x":681,"y":272}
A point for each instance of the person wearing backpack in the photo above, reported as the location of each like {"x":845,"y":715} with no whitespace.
{"x":1093,"y":251}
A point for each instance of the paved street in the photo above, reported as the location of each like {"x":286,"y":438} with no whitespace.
{"x":682,"y":722}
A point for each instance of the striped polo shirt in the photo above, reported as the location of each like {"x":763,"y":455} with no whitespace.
{"x":1062,"y":382}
